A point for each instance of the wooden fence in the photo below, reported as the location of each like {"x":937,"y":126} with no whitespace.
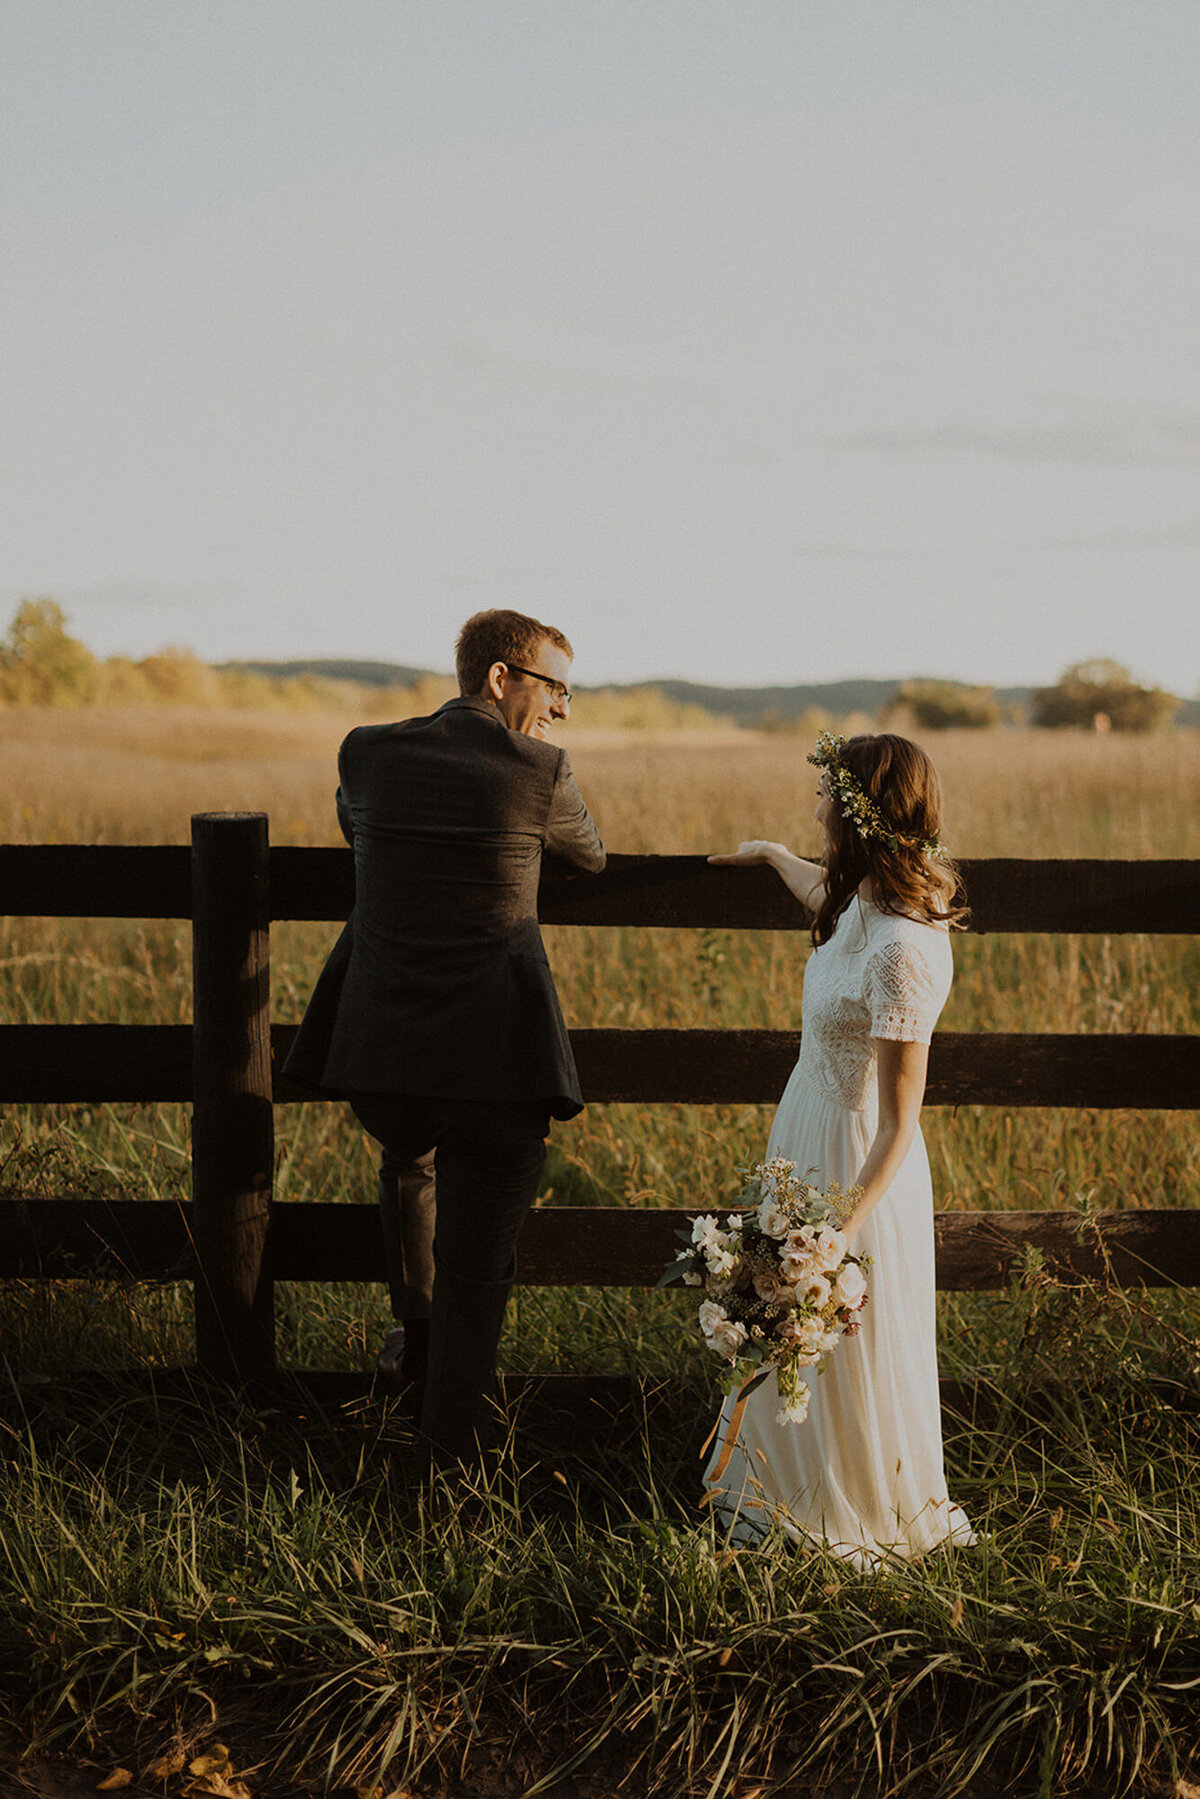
{"x":234,"y":1243}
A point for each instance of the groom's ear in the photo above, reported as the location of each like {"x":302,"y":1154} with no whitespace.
{"x":493,"y":686}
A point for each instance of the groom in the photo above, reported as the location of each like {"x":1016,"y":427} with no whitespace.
{"x":436,"y":1014}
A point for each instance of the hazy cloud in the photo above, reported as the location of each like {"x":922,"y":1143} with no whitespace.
{"x":1077,"y":431}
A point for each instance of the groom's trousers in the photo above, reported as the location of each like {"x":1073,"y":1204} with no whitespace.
{"x":488,"y":1156}
{"x":407,"y":1212}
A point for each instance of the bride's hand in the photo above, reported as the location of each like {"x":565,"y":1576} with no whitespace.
{"x":747,"y":853}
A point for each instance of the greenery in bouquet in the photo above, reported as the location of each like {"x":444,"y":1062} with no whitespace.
{"x":781,"y":1286}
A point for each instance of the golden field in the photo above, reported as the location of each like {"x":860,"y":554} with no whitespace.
{"x":137,"y":776}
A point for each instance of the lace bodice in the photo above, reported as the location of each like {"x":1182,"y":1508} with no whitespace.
{"x":879,"y":975}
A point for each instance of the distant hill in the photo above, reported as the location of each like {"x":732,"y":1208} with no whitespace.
{"x":369,"y":674}
{"x":745,"y":705}
{"x":740,"y":703}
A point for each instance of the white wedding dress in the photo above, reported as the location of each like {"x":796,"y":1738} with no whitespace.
{"x":864,"y":1472}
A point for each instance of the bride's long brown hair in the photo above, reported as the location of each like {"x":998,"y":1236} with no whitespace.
{"x":901,"y":782}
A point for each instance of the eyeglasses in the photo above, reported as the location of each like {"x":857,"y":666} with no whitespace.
{"x":558,"y":693}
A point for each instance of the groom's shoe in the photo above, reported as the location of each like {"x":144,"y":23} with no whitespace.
{"x":404,"y":1357}
{"x":389,"y":1371}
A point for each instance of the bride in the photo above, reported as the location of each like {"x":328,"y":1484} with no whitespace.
{"x":863,"y":1473}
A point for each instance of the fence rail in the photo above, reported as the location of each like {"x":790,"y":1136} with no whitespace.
{"x":234,"y":1243}
{"x":1007,"y":893}
{"x":97,"y":1063}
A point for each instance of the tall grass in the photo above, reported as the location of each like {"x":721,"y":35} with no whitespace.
{"x":175,"y":1570}
{"x":167,"y":1562}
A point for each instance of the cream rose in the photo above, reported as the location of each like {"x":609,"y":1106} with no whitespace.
{"x":773,"y":1221}
{"x":850,"y":1288}
{"x":816,"y":1290}
{"x":830,"y":1248}
{"x":711,"y":1316}
{"x":798,"y":1268}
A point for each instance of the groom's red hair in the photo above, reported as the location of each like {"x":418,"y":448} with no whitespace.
{"x":500,"y":636}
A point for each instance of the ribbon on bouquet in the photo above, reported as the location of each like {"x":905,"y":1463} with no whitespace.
{"x":729,"y":1441}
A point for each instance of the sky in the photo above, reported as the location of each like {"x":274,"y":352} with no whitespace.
{"x":752,"y":342}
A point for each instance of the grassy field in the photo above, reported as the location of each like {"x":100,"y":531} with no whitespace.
{"x":174,"y":1573}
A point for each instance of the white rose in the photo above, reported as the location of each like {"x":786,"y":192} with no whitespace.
{"x":773,"y":1221}
{"x":712,"y":1316}
{"x":797,"y":1268}
{"x":816,"y":1290}
{"x":831,"y":1248}
{"x":850,"y":1288}
{"x":728,"y":1338}
{"x":800,"y":1241}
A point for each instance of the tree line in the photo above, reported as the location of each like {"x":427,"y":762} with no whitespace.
{"x":42,"y":664}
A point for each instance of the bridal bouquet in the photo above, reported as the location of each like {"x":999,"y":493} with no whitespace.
{"x":781,"y":1287}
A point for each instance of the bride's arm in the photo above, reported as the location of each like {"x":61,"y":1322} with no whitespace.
{"x":902,"y":1069}
{"x":805,"y":879}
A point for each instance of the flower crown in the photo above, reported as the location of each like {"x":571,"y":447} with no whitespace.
{"x":853,"y":803}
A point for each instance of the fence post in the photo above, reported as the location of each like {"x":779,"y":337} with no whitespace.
{"x":233,"y":1130}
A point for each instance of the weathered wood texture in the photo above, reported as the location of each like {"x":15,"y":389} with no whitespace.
{"x":88,"y":880}
{"x":1006,"y":894}
{"x":93,"y":1063}
{"x":233,"y":1131}
{"x":564,"y":1246}
{"x":80,"y":1237}
{"x":965,"y":1068}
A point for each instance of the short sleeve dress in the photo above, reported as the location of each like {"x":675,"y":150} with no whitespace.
{"x":864,"y":1472}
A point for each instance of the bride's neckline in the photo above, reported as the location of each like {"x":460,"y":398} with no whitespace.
{"x":866,"y":899}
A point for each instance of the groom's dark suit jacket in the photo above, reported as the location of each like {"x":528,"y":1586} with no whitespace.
{"x":439,"y":985}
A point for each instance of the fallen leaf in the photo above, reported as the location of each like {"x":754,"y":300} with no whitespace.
{"x":166,"y":1765}
{"x":120,"y":1777}
{"x":956,"y":1613}
{"x":725,"y":1657}
{"x":217,"y":1786}
{"x":213,"y":1761}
